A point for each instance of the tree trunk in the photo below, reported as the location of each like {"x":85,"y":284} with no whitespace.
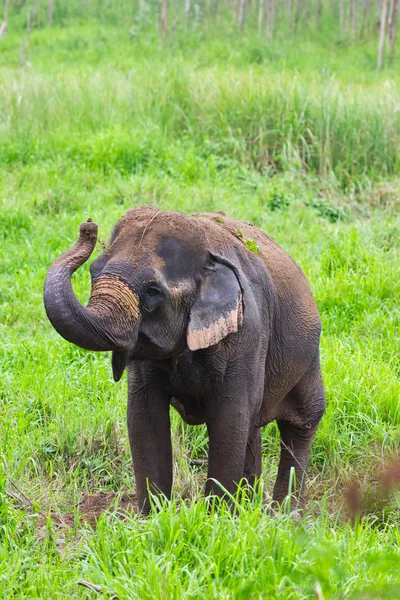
{"x":393,"y":25}
{"x":348,"y":16}
{"x":187,"y":13}
{"x":290,"y":15}
{"x":164,"y":17}
{"x":297,"y":15}
{"x":241,"y":13}
{"x":260,"y":15}
{"x":341,"y":17}
{"x":381,"y":46}
{"x":4,"y":25}
{"x":319,"y":11}
{"x":50,"y":12}
{"x":355,"y":17}
{"x":234,"y":10}
{"x":270,"y":18}
{"x":365,"y":11}
{"x":378,"y":13}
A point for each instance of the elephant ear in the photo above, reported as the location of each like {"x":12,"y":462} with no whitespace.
{"x":218,"y":309}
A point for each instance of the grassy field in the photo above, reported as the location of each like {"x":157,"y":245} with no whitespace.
{"x":303,"y":139}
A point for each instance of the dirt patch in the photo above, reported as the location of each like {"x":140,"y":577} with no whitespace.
{"x":91,"y":507}
{"x":374,"y":493}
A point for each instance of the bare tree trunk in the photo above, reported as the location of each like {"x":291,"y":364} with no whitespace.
{"x":365,"y":11}
{"x":28,"y":35}
{"x":260,"y":15}
{"x":378,"y":13}
{"x":270,"y":18}
{"x":341,"y":17}
{"x":234,"y":10}
{"x":187,"y":13}
{"x":355,"y":17}
{"x":164,"y":18}
{"x":297,"y":15}
{"x":307,"y":10}
{"x":393,"y":25}
{"x":4,"y":25}
{"x":348,"y":16}
{"x":218,"y":10}
{"x":381,"y":46}
{"x":290,"y":15}
{"x":241,"y":13}
{"x":319,"y":10}
{"x":50,"y":12}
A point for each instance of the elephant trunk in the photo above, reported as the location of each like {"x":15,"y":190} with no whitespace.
{"x":111,"y":319}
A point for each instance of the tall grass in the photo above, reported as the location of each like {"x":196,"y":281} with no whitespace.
{"x":274,"y":122}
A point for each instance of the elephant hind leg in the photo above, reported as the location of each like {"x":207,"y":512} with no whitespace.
{"x":252,"y":463}
{"x":302,"y":409}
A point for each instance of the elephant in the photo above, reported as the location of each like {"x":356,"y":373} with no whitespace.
{"x":207,"y":314}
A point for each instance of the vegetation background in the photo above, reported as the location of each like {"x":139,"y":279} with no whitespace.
{"x":278,"y":119}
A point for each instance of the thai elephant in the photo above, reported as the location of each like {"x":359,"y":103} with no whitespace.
{"x":212,"y":316}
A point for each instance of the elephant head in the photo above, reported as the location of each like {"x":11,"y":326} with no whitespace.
{"x":156,"y":290}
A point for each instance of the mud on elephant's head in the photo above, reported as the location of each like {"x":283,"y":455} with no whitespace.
{"x":156,"y":289}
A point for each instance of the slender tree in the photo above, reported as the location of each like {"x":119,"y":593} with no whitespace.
{"x":381,"y":46}
{"x":187,"y":13}
{"x":393,"y":25}
{"x":4,"y":25}
{"x":234,"y":9}
{"x":341,"y":17}
{"x":290,"y":15}
{"x":319,"y":10}
{"x":241,"y":13}
{"x":164,"y":17}
{"x":354,"y":10}
{"x":348,"y":16}
{"x":297,"y":15}
{"x":50,"y":12}
{"x":261,"y":7}
{"x":270,"y":18}
{"x":364,"y":17}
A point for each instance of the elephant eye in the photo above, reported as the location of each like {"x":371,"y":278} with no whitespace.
{"x":154,"y":297}
{"x":154,"y":291}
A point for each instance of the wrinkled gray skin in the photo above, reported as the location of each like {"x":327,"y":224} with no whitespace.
{"x":229,"y":337}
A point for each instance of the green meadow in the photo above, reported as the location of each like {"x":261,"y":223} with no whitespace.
{"x":301,"y":137}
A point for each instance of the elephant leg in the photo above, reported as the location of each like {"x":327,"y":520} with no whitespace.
{"x":150,"y":440}
{"x":295,"y":449}
{"x":303,"y":409}
{"x":252,"y":462}
{"x":228,"y":432}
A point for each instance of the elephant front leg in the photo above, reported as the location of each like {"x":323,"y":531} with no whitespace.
{"x":228,"y":432}
{"x":150,"y":441}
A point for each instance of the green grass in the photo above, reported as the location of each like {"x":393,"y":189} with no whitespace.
{"x":300,"y":138}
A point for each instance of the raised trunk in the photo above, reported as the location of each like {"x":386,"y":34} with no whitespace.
{"x":110,"y":321}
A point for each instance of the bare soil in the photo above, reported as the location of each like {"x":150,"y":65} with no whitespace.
{"x":92,"y":506}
